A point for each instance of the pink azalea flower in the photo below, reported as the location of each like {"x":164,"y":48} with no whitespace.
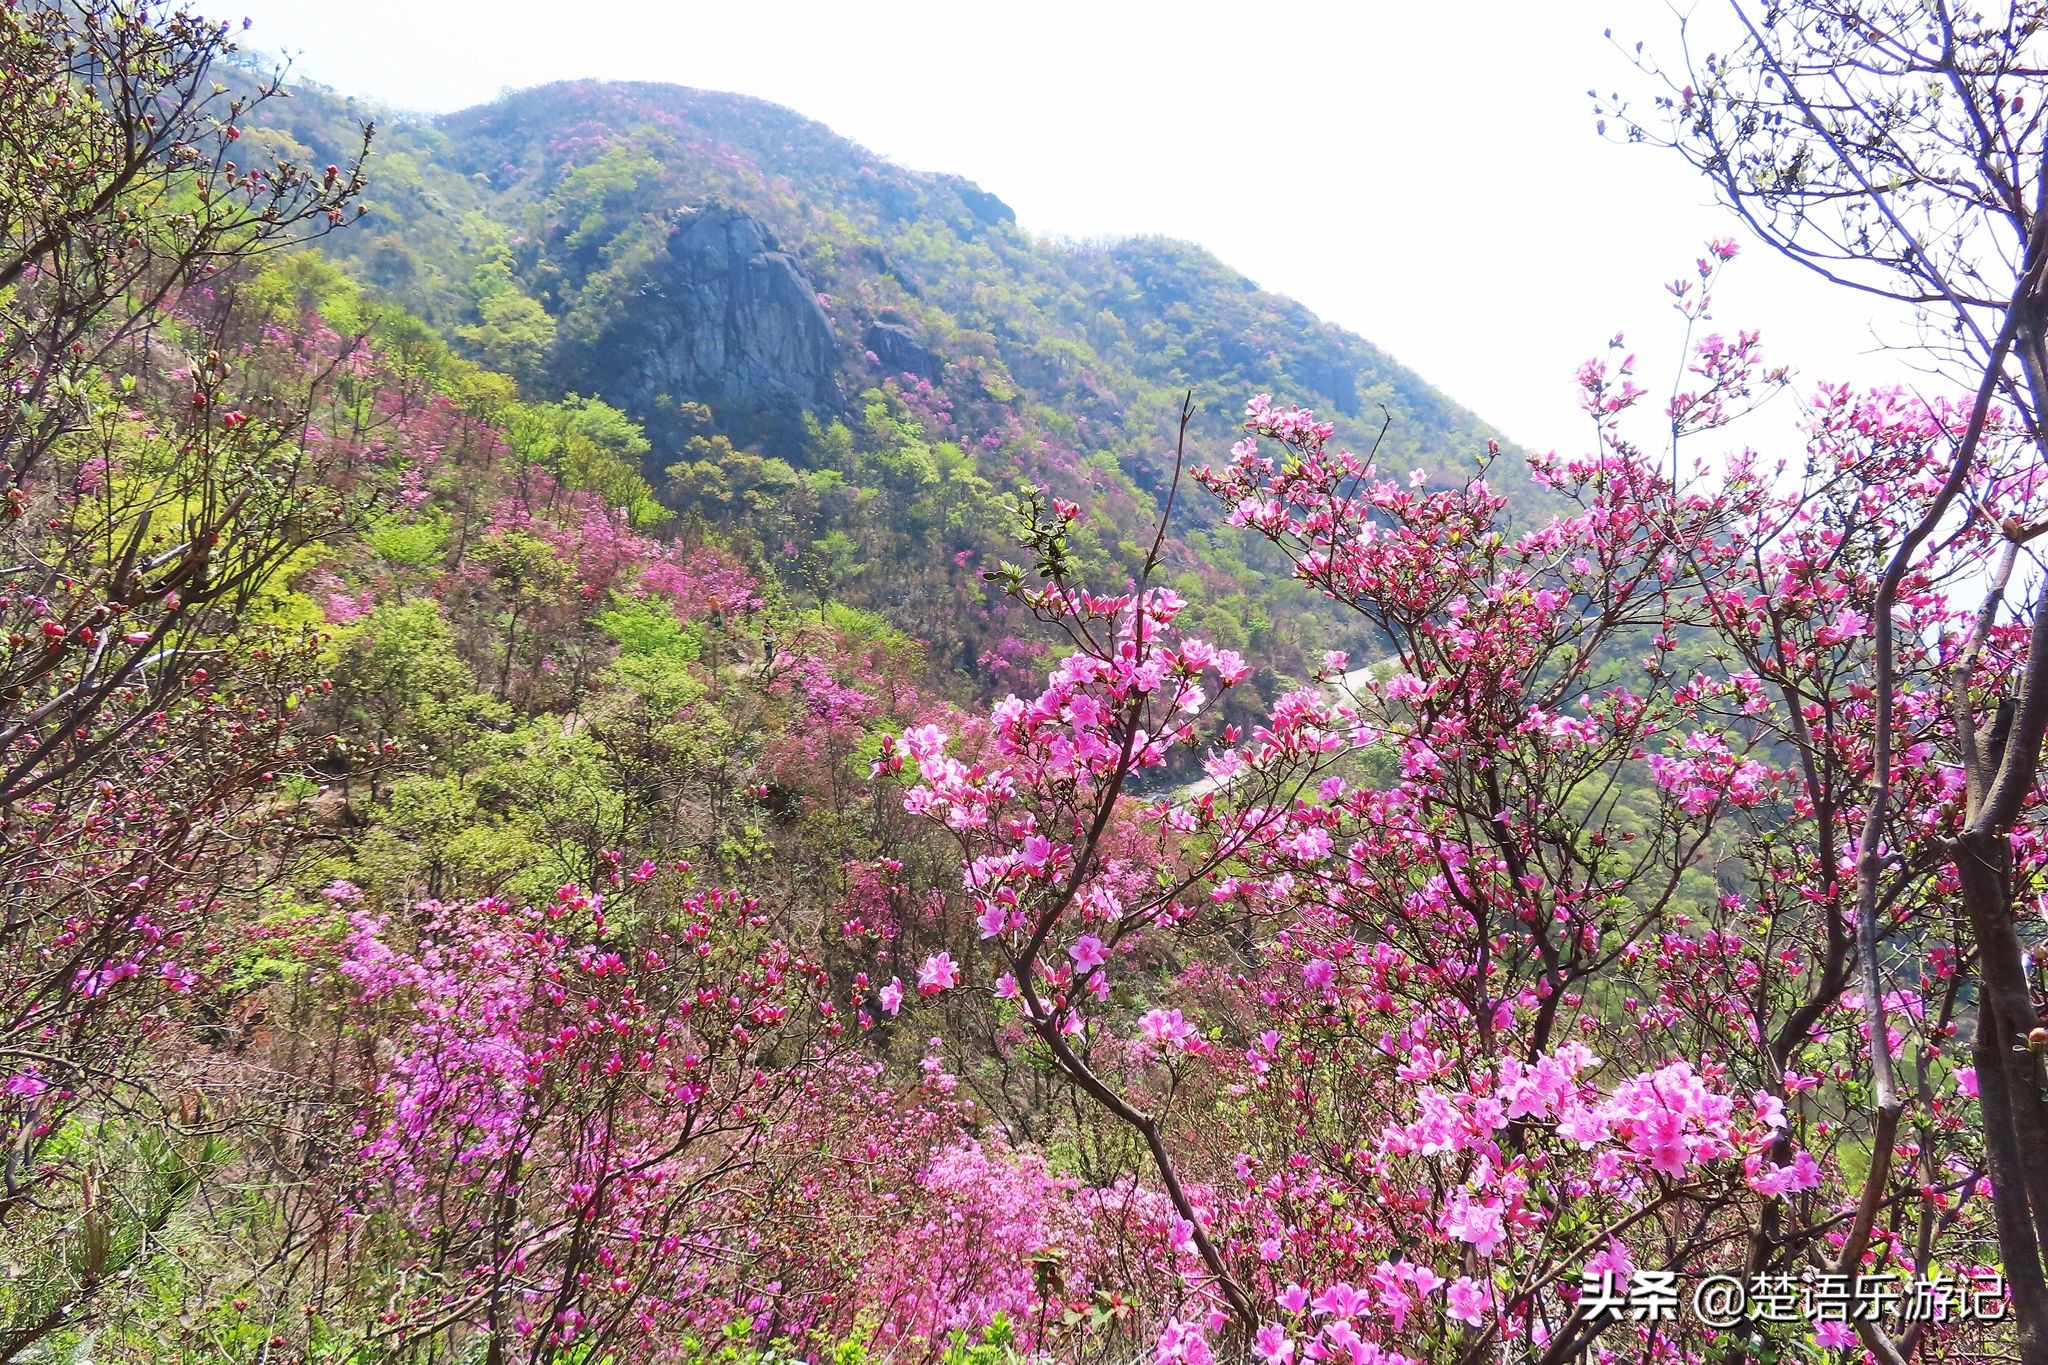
{"x":1342,"y":1301}
{"x":892,"y":995}
{"x":1469,"y":1300}
{"x":1087,"y":952}
{"x":1340,"y":1341}
{"x":924,"y":741}
{"x":1834,"y":1336}
{"x":1612,"y":1261}
{"x":26,"y":1085}
{"x":1273,"y":1346}
{"x":1476,"y":1222}
{"x":1182,"y":1343}
{"x":1168,"y":1029}
{"x":1778,"y":1181}
{"x":939,"y":973}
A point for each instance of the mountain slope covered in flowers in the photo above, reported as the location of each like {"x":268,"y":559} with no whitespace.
{"x":555,"y":808}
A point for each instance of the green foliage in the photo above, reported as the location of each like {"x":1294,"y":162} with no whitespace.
{"x":863,"y":627}
{"x":513,"y":332}
{"x":647,"y":629}
{"x":525,"y":568}
{"x":591,"y":447}
{"x":409,"y":544}
{"x":136,"y":1178}
{"x":998,"y":1346}
{"x":308,"y":281}
{"x":400,"y":687}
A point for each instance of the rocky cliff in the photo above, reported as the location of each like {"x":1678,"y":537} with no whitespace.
{"x":725,"y":317}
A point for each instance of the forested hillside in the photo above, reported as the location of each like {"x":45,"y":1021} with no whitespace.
{"x":749,"y":287}
{"x":629,"y":736}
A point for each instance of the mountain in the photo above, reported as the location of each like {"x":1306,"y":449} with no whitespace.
{"x":748,"y":285}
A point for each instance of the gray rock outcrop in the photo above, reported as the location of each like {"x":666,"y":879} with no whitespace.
{"x":725,"y":317}
{"x":900,"y":349}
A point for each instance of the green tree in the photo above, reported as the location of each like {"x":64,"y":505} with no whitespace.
{"x":591,"y":447}
{"x":403,"y":696}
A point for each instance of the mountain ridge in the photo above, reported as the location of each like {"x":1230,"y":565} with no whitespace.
{"x":540,"y":232}
{"x":778,"y":142}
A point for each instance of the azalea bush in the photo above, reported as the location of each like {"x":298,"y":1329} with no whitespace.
{"x":623,"y":1120}
{"x":1577,"y":989}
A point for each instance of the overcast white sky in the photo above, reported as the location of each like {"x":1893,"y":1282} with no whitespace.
{"x":1426,"y":175}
